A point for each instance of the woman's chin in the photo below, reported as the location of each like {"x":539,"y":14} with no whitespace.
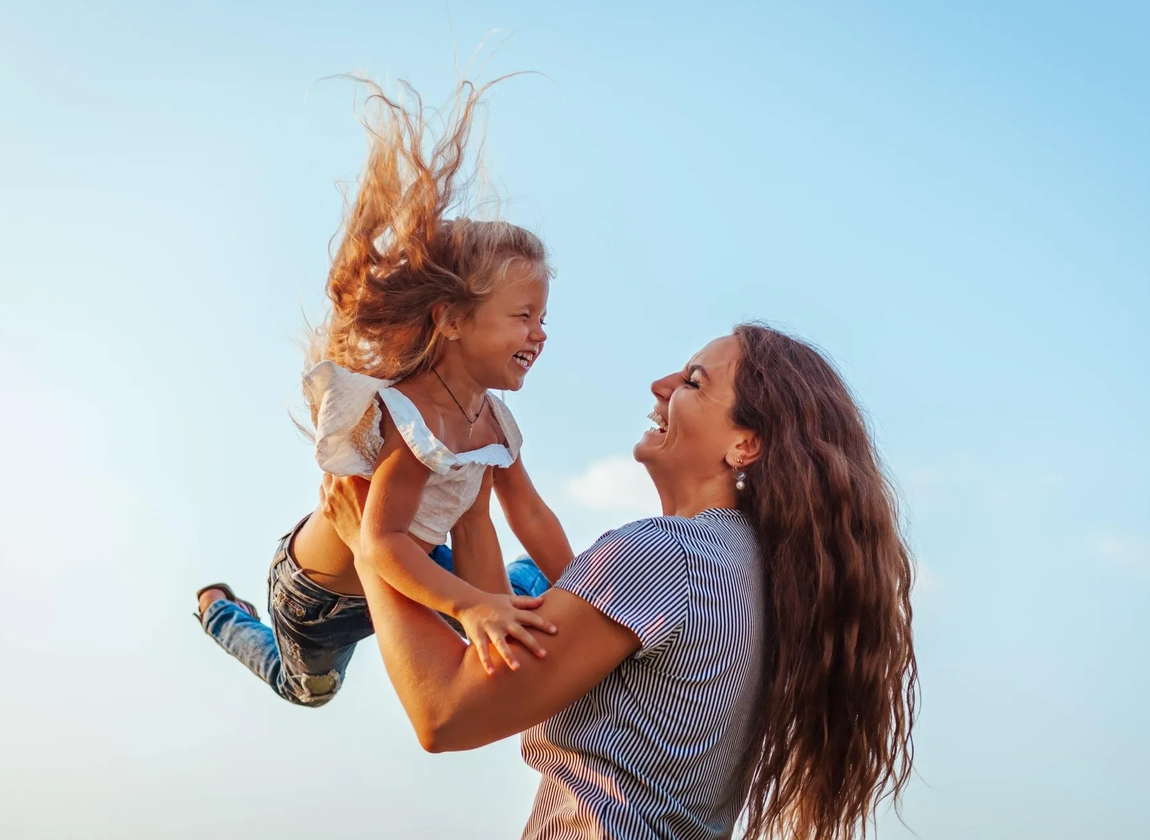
{"x":649,"y":445}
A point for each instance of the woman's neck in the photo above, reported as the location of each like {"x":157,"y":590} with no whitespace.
{"x":690,"y":495}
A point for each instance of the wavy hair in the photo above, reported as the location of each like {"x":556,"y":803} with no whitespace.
{"x":833,"y":732}
{"x":400,"y":255}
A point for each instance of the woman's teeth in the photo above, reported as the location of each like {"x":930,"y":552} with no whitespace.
{"x":659,"y":421}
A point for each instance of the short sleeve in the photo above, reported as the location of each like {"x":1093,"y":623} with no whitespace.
{"x":636,"y":576}
{"x":347,"y":418}
{"x":507,"y":423}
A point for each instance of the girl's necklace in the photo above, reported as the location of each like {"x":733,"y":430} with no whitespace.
{"x":470,"y":423}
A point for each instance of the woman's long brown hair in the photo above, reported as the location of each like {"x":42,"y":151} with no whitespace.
{"x":840,"y":689}
{"x":400,"y":255}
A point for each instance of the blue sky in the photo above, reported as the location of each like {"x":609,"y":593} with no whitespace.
{"x":951,"y":199}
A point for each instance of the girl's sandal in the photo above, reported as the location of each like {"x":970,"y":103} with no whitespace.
{"x":246,"y":606}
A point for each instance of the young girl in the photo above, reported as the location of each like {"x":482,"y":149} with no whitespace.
{"x":428,"y":315}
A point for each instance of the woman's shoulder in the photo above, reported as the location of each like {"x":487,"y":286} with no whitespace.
{"x":711,"y":535}
{"x":649,"y":533}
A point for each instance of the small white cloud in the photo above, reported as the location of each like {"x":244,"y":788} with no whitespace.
{"x":615,"y":483}
{"x":1122,"y":550}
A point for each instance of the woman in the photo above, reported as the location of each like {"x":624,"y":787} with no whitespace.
{"x":750,"y":648}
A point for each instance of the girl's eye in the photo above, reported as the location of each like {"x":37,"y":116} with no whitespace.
{"x":542,"y":322}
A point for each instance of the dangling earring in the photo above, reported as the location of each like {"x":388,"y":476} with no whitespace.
{"x":741,"y":481}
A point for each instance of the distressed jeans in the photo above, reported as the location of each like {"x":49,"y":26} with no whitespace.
{"x":304,"y":653}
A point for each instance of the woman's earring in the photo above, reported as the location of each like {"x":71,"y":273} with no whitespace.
{"x":741,"y":481}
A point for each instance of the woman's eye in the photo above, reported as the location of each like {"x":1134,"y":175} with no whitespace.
{"x":690,"y":383}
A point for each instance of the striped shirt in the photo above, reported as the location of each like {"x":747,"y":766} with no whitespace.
{"x":654,"y":750}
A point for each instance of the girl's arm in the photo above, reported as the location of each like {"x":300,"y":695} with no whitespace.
{"x":475,"y":550}
{"x":385,"y":549}
{"x":533,"y":523}
{"x":390,"y":505}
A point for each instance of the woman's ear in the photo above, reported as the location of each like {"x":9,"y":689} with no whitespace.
{"x":745,"y":451}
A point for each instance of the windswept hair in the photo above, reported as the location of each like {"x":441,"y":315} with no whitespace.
{"x":400,"y":255}
{"x":840,"y":689}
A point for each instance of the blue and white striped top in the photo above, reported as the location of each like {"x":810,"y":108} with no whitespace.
{"x":654,"y":750}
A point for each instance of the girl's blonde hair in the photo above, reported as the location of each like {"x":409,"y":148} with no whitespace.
{"x":399,"y":256}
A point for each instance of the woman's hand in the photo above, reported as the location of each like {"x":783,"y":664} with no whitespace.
{"x":492,"y":618}
{"x":341,"y":500}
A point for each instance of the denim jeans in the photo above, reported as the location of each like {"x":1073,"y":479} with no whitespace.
{"x":304,"y":653}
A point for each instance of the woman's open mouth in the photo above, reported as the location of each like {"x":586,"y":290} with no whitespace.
{"x":659,"y":421}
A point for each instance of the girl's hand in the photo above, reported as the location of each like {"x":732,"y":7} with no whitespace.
{"x":490,"y":620}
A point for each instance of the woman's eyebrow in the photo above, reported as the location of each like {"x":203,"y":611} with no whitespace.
{"x":691,"y":370}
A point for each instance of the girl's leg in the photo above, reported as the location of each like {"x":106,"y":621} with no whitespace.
{"x":525,"y":577}
{"x":304,"y":654}
{"x":246,"y":638}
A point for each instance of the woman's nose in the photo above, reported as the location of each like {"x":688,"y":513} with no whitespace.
{"x":663,"y":388}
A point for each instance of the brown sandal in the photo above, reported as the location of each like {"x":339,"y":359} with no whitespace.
{"x":246,"y":606}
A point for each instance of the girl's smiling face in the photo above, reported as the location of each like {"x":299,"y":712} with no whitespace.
{"x":504,"y":336}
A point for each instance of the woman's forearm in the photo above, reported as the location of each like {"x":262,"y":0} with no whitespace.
{"x":422,"y":655}
{"x":452,"y":703}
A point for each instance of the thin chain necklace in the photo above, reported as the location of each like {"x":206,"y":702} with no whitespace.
{"x":470,"y":423}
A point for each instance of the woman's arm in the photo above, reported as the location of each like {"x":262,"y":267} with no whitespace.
{"x":450,"y":701}
{"x":453,"y":704}
{"x":475,"y":550}
{"x":532,"y":521}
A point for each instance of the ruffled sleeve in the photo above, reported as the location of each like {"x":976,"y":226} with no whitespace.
{"x":425,"y":446}
{"x":347,"y":438}
{"x":433,"y":452}
{"x":509,"y":426}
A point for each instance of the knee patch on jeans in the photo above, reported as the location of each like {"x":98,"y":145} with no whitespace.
{"x":314,"y":690}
